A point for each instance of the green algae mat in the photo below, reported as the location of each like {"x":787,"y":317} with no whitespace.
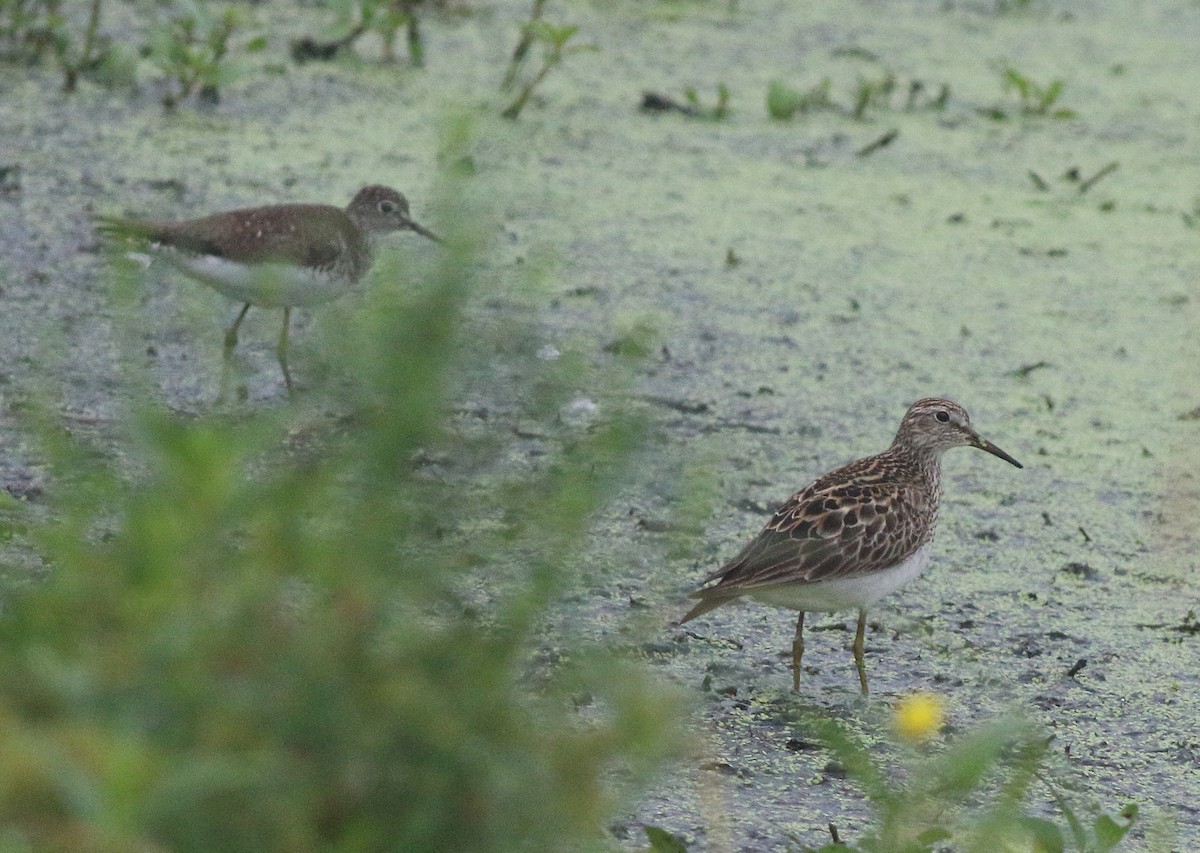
{"x":802,"y":218}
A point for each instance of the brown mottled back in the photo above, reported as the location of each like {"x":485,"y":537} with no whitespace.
{"x":858,"y":519}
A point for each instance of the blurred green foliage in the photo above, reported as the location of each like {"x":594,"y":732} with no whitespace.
{"x":968,"y":796}
{"x":277,"y":632}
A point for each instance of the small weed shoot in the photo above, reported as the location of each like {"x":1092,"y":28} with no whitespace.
{"x":554,"y":41}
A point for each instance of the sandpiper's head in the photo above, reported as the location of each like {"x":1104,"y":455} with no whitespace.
{"x":934,"y":425}
{"x":380,"y":210}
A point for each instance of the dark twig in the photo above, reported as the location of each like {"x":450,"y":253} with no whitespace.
{"x":882,"y":142}
{"x":1084,"y":186}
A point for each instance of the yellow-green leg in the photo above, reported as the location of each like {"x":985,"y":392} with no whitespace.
{"x":231,"y":337}
{"x":797,"y":652}
{"x":858,"y":651}
{"x":231,"y":342}
{"x":281,"y":352}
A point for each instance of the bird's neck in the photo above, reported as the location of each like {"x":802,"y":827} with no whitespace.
{"x":924,"y":464}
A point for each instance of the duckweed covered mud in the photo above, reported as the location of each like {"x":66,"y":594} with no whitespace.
{"x":802,"y":297}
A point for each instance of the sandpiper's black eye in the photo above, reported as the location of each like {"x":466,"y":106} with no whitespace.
{"x":386,"y":206}
{"x":942,"y":415}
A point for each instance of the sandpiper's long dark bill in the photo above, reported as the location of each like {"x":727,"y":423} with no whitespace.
{"x":854,"y":534}
{"x":278,"y":256}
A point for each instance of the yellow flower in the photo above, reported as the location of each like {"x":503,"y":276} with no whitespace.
{"x":919,"y":716}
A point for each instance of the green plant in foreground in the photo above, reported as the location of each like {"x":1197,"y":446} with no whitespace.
{"x":965,"y":797}
{"x":554,"y":41}
{"x":970,"y":793}
{"x":290,"y":632}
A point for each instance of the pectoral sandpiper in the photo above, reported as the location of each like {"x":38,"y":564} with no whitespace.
{"x":853,"y":535}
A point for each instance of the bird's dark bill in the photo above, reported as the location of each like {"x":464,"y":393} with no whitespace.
{"x":984,"y":444}
{"x":423,"y":231}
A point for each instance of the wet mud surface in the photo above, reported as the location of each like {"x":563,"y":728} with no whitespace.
{"x":802,"y":296}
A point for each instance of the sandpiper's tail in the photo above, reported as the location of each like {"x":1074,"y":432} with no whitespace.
{"x":120,"y":228}
{"x":710,"y":599}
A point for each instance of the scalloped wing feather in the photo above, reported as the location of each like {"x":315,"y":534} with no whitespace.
{"x":853,"y":521}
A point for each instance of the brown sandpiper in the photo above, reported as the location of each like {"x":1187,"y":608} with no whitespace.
{"x":853,"y":535}
{"x":277,"y":256}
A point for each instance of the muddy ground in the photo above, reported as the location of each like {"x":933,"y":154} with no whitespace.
{"x":803,"y":291}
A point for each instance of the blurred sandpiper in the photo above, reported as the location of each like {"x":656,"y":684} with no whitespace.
{"x":277,"y":256}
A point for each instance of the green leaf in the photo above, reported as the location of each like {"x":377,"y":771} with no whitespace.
{"x":224,"y":73}
{"x":552,"y":35}
{"x":959,"y":770}
{"x":662,"y":841}
{"x":1015,"y":80}
{"x":1046,"y":836}
{"x":1051,"y":94}
{"x":1109,"y":833}
{"x":935,"y":833}
{"x":722,"y":107}
{"x":782,"y":100}
{"x":563,"y":35}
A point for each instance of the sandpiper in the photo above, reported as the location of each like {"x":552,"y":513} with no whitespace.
{"x":278,"y":256}
{"x":854,"y":534}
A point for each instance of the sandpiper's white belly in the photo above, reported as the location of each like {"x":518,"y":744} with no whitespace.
{"x":844,"y":593}
{"x":264,"y":285}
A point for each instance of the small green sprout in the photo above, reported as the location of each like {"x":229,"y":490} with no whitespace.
{"x":873,"y":93}
{"x":31,"y":30}
{"x":717,"y":112}
{"x":655,"y":102}
{"x":1033,"y":99}
{"x":359,"y":17}
{"x":88,"y":57}
{"x":783,"y":101}
{"x":191,"y":50}
{"x":521,"y":51}
{"x":386,"y":17}
{"x":555,"y":43}
{"x":917,"y":97}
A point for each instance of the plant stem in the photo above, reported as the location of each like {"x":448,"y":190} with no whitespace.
{"x":416,"y":50}
{"x":514,"y":109}
{"x":71,"y":69}
{"x":521,"y":51}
